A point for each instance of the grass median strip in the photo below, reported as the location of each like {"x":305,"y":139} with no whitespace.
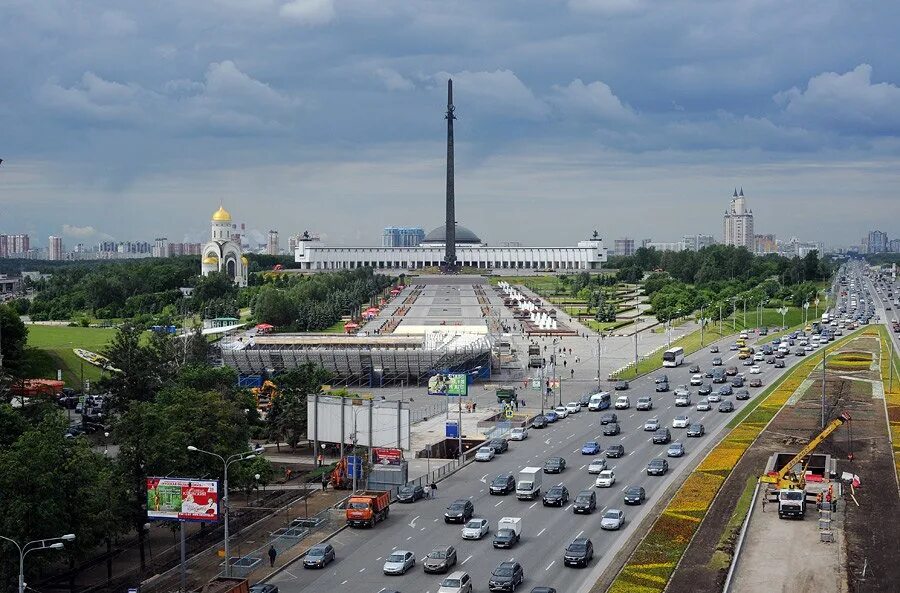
{"x":891,"y":392}
{"x":671,"y":533}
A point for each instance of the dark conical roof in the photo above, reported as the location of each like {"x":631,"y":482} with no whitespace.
{"x":463,"y":235}
{"x":742,"y":192}
{"x":734,"y":195}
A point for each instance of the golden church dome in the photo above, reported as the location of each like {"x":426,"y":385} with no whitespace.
{"x":245,"y":261}
{"x":221,"y":215}
{"x":210,"y":260}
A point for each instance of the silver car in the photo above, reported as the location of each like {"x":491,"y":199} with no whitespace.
{"x":399,"y":562}
{"x":612,"y":519}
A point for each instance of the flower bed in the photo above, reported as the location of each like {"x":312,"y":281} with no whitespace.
{"x":652,"y":563}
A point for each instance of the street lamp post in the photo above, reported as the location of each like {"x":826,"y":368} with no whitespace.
{"x":701,"y":326}
{"x":227,"y":461}
{"x":817,"y":308}
{"x":53,"y":543}
{"x":783,"y":310}
{"x":805,"y":313}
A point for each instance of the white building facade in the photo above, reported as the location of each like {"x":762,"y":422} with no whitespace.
{"x":222,"y":254}
{"x":739,"y":223}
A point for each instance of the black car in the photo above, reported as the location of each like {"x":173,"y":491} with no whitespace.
{"x":714,"y":349}
{"x":264,"y":588}
{"x":737,"y":382}
{"x":779,"y":364}
{"x":608,"y":417}
{"x":410,"y":493}
{"x":696,"y":430}
{"x":506,"y":577}
{"x":584,"y":400}
{"x":585,"y":502}
{"x":543,"y":590}
{"x":657,"y":467}
{"x":704,"y":389}
{"x":554,"y":465}
{"x":709,"y":374}
{"x":694,"y":368}
{"x":440,"y":559}
{"x":661,"y":379}
{"x":615,"y":451}
{"x":717,"y":361}
{"x":719,"y":377}
{"x":505,"y":538}
{"x":661,"y":387}
{"x":731,"y":371}
{"x":662,"y":436}
{"x":556,"y":496}
{"x":741,"y":394}
{"x":539,"y":422}
{"x":503,"y":484}
{"x":770,"y":360}
{"x":498,"y":445}
{"x":318,"y":556}
{"x":459,"y":511}
{"x":725,"y":390}
{"x":635,"y":495}
{"x":726,"y":406}
{"x":611,"y":429}
{"x":579,"y":552}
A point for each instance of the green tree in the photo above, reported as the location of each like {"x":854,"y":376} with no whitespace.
{"x":140,"y":369}
{"x":215,"y":286}
{"x":13,"y":336}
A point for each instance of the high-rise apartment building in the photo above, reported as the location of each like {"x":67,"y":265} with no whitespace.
{"x":623,"y":246}
{"x":184,"y":249}
{"x":55,"y":248}
{"x":402,"y":236}
{"x":4,"y":245}
{"x":765,"y":244}
{"x":877,"y":242}
{"x":272,"y":246}
{"x":161,"y":247}
{"x":698,"y":242}
{"x":895,"y":245}
{"x":739,"y":222}
{"x":16,"y":245}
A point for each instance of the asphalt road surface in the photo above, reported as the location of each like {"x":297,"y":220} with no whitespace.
{"x":546,"y":531}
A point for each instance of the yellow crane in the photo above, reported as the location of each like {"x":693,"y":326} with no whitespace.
{"x":783,"y":478}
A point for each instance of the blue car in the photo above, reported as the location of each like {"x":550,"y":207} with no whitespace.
{"x":551,"y":416}
{"x":590,"y":448}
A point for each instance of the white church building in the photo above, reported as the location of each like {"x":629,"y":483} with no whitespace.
{"x":222,"y":254}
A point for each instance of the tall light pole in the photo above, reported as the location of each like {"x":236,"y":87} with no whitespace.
{"x":599,"y":351}
{"x":824,"y":348}
{"x":53,"y":543}
{"x":701,"y":326}
{"x":805,"y":313}
{"x":817,"y":308}
{"x":783,"y":310}
{"x":720,"y":319}
{"x":227,"y":461}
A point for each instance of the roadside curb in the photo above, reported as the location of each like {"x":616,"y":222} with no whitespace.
{"x":285,"y":566}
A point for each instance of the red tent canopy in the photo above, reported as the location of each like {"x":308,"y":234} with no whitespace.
{"x":351,"y":325}
{"x":395,"y":292}
{"x":264,"y":326}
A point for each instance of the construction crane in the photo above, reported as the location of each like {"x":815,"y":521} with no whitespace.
{"x":784,"y":478}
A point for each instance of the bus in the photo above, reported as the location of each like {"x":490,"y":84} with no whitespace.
{"x":673,"y":357}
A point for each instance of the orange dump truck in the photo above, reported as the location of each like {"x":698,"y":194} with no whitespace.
{"x":368,"y":507}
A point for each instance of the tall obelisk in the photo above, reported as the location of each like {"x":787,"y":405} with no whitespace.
{"x":450,"y":228}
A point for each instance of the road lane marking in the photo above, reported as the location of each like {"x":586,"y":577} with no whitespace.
{"x":570,"y":436}
{"x":413,"y":522}
{"x":363,"y":569}
{"x":484,"y":478}
{"x":423,"y":529}
{"x":580,"y":533}
{"x":378,"y":559}
{"x":549,"y":565}
{"x":541,"y":531}
{"x":469,"y":558}
{"x":569,"y":507}
{"x":632,"y":416}
{"x":623,"y":438}
{"x":582,"y":467}
{"x":409,"y":538}
{"x":498,"y":504}
{"x":345,"y":582}
{"x":532,"y":505}
{"x":547,"y":442}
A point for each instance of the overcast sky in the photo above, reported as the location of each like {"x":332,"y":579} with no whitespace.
{"x":134,"y":120}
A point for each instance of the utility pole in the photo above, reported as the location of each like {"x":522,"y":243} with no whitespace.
{"x":824,"y":348}
{"x":459,"y":430}
{"x":355,"y":458}
{"x":701,"y":326}
{"x":635,"y":348}
{"x":891,"y":363}
{"x":745,"y":312}
{"x":599,"y":350}
{"x":543,"y":390}
{"x":720,"y":320}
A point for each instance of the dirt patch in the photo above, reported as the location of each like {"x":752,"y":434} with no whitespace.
{"x":870,"y":529}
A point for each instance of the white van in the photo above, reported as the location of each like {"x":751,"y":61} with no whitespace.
{"x":599,"y":401}
{"x":623,"y":403}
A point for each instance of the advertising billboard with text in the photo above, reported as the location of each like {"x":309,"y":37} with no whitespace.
{"x":179,"y":499}
{"x":452,"y":384}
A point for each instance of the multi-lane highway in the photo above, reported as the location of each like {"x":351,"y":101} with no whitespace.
{"x":546,"y":531}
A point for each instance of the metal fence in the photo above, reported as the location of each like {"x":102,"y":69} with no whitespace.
{"x":423,"y":413}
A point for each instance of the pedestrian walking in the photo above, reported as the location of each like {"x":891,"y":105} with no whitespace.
{"x":565,"y":363}
{"x":573,"y":373}
{"x":324,"y":482}
{"x":765,"y":496}
{"x":517,"y":405}
{"x":433,"y":488}
{"x":272,"y":555}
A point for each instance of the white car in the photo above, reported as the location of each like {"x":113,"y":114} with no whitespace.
{"x":606,"y":479}
{"x":714,"y":397}
{"x":457,"y":582}
{"x":476,"y":529}
{"x":697,"y":380}
{"x":622,"y":402}
{"x":755,"y":370}
{"x":484,"y":454}
{"x":651,"y":424}
{"x":597,"y":466}
{"x":612,"y":519}
{"x":758,"y":357}
{"x":681,"y":421}
{"x":561,"y":411}
{"x":399,"y":562}
{"x":573,"y":407}
{"x":703,"y":405}
{"x":519,"y":433}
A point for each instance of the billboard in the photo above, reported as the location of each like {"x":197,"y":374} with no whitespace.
{"x":452,"y":384}
{"x":179,"y":499}
{"x":387,"y":456}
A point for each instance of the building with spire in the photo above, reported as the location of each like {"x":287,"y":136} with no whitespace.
{"x":222,"y":254}
{"x":739,"y":223}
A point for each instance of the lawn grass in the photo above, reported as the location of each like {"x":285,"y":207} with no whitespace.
{"x":58,"y":341}
{"x":690,"y":343}
{"x":336,"y":328}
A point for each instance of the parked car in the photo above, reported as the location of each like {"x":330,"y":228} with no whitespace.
{"x":573,"y":407}
{"x":518,"y":433}
{"x":561,"y":412}
{"x":410,"y":493}
{"x":615,"y":451}
{"x":399,"y":562}
{"x":675,"y":449}
{"x":319,"y":556}
{"x":657,"y":467}
{"x":635,"y":495}
{"x":550,"y":416}
{"x":539,"y":422}
{"x":612,"y":519}
{"x":606,"y":479}
{"x":264,"y":588}
{"x":590,"y":448}
{"x":440,"y":559}
{"x":579,"y":552}
{"x":696,"y":430}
